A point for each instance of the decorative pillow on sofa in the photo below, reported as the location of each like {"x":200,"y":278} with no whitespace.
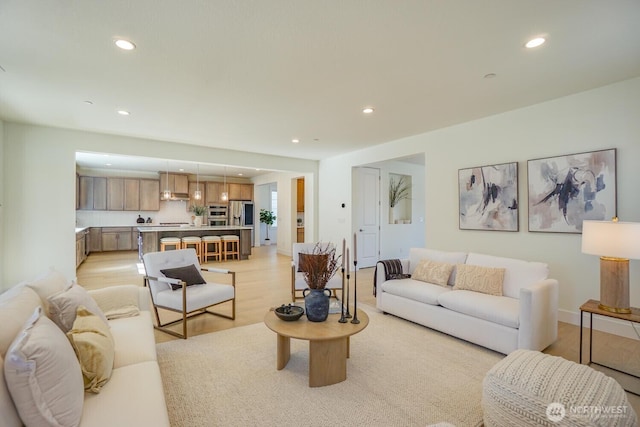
{"x":63,"y":307}
{"x":188,"y":274}
{"x":93,"y":343}
{"x":434,"y":272}
{"x":43,"y":375}
{"x":479,"y":279}
{"x":116,"y":304}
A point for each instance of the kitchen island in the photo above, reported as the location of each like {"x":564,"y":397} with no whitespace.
{"x":149,"y":236}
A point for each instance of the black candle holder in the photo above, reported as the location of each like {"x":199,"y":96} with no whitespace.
{"x":355,"y":319}
{"x":343,"y":318}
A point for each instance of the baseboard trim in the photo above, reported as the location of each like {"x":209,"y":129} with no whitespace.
{"x":601,"y":323}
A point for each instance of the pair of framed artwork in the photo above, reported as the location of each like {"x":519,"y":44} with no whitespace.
{"x":562,"y":192}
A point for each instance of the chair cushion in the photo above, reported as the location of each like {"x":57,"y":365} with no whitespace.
{"x":476,"y":278}
{"x":188,"y":274}
{"x":43,"y":375}
{"x":94,"y":347}
{"x":434,"y":272}
{"x":134,"y":339}
{"x":63,"y":306}
{"x":198,"y":296}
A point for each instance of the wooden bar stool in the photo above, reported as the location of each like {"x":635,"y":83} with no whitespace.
{"x":230,"y":246}
{"x":170,"y":241}
{"x":194,"y":242}
{"x":216,"y":248}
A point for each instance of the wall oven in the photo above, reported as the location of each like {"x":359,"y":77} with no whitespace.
{"x":217,"y":215}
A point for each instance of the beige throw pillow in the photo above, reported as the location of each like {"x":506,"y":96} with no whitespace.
{"x":43,"y":375}
{"x":479,"y":279}
{"x":433,"y":272}
{"x":94,"y":347}
{"x":63,"y":307}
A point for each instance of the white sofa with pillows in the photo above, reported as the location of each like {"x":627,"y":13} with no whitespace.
{"x":500,"y":303}
{"x":77,"y":358}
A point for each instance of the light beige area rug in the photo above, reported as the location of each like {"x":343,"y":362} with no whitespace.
{"x":399,"y":374}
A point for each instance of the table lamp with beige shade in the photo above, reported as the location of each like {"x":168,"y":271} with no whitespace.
{"x":616,"y":242}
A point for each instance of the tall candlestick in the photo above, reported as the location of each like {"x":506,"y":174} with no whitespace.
{"x":347,"y":314}
{"x":344,"y":244}
{"x":355,"y":284}
{"x":355,"y":246}
{"x":347,"y":262}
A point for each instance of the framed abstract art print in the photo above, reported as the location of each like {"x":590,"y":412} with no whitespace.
{"x":566,"y":190}
{"x":489,"y":197}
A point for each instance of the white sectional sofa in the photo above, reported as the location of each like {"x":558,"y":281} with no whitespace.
{"x":133,"y":396}
{"x":524,"y":316}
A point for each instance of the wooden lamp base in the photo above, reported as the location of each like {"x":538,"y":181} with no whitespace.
{"x":614,"y":285}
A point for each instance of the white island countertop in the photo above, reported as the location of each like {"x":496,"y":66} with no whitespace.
{"x":147,"y":229}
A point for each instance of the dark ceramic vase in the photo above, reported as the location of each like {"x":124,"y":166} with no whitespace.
{"x":316,"y":304}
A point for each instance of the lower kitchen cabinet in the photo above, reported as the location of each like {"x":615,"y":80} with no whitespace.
{"x":117,"y":239}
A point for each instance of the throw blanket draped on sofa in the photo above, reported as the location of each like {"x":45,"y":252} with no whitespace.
{"x":392,"y":268}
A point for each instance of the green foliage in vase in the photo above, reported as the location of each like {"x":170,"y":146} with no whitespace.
{"x":398,"y":190}
{"x":198,"y":210}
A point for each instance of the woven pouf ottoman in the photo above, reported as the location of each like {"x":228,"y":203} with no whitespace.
{"x":529,"y":388}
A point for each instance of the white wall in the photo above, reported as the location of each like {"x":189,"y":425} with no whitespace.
{"x":602,"y":118}
{"x":39,"y":199}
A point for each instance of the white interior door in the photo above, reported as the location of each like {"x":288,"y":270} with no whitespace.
{"x":366,"y":220}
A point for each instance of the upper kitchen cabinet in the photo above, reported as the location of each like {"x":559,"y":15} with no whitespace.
{"x":131,"y":194}
{"x":213,"y":193}
{"x":300,"y":195}
{"x":193,"y":186}
{"x":92,"y":193}
{"x":115,"y":194}
{"x":175,"y":183}
{"x":240,"y":191}
{"x":149,"y":195}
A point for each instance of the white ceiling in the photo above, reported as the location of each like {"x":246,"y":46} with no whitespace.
{"x":252,"y":75}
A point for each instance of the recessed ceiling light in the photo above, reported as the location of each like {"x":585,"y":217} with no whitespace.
{"x":295,"y":140}
{"x":240,"y":174}
{"x":88,"y":102}
{"x":368,"y":110}
{"x":257,"y":169}
{"x":125,"y":44}
{"x":123,"y":112}
{"x":107,"y":164}
{"x":535,"y":42}
{"x":181,"y":169}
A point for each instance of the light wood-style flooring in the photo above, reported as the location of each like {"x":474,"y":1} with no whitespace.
{"x":263,"y":282}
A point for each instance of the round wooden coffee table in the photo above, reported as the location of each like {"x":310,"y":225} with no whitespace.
{"x":328,"y":344}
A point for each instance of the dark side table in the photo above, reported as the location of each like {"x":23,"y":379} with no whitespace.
{"x":591,"y":307}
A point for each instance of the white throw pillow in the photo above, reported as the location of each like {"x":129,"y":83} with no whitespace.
{"x":63,"y":307}
{"x":479,"y":279}
{"x":43,"y":375}
{"x":47,"y":284}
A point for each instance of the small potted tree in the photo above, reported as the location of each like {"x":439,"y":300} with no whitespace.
{"x":267,"y":217}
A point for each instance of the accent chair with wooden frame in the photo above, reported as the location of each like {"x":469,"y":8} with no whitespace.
{"x":185,"y":299}
{"x":298,"y":284}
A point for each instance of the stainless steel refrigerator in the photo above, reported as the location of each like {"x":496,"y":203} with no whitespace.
{"x":242,"y":213}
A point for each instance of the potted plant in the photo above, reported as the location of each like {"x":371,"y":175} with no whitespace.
{"x":318,"y":267}
{"x":267,"y":217}
{"x":198,"y":211}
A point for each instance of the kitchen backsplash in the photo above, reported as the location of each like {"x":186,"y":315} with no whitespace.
{"x":172,"y":211}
